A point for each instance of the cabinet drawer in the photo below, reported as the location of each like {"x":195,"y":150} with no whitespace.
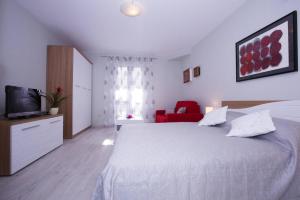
{"x":25,"y":144}
{"x":54,"y":136}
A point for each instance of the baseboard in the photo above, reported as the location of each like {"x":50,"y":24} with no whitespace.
{"x":101,"y":126}
{"x":81,"y":131}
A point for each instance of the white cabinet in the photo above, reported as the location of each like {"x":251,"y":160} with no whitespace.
{"x":82,"y":93}
{"x":29,"y":140}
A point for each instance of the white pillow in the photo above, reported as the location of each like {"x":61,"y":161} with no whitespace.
{"x":214,"y":117}
{"x":181,"y":110}
{"x":253,"y":124}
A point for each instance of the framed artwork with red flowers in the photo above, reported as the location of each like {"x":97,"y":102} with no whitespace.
{"x":269,"y":51}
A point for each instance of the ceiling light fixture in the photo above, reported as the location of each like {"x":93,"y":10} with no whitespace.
{"x":131,"y":8}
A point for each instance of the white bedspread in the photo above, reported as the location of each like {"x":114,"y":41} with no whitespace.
{"x":182,"y":161}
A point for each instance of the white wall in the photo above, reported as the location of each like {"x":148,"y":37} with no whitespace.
{"x":23,"y":49}
{"x":167,"y":81}
{"x":216,"y":56}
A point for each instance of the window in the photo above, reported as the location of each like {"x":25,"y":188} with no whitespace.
{"x":129,"y":93}
{"x":128,"y":89}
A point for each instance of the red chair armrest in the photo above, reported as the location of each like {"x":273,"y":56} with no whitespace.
{"x":160,"y":112}
{"x":161,"y":116}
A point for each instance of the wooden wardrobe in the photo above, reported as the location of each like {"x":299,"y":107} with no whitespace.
{"x":69,"y":69}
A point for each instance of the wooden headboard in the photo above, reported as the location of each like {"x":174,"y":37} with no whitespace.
{"x":244,"y":104}
{"x":281,"y":109}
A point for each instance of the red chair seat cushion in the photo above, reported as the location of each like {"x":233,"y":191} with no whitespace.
{"x":192,"y":114}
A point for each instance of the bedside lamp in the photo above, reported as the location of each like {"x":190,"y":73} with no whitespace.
{"x":208,"y":109}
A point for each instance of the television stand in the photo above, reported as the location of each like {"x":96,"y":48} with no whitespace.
{"x":22,"y":141}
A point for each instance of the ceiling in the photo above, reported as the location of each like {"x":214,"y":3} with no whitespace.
{"x":166,"y":28}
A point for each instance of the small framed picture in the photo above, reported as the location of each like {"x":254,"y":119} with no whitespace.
{"x":186,"y":76}
{"x":196,"y":71}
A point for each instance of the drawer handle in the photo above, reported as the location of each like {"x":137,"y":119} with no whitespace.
{"x":54,"y":121}
{"x":31,"y":127}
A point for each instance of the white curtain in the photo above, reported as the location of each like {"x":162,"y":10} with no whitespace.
{"x":128,"y":89}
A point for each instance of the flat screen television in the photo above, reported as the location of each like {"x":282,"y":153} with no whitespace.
{"x":22,"y":102}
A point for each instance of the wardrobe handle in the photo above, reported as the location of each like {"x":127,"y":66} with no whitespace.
{"x":54,"y":121}
{"x":31,"y":127}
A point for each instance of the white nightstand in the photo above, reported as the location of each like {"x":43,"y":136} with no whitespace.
{"x":123,"y":121}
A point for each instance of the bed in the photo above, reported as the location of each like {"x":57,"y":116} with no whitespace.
{"x":182,"y":161}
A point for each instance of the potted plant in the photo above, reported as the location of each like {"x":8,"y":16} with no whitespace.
{"x":54,"y":99}
{"x":129,"y":116}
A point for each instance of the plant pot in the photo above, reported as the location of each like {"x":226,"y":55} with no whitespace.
{"x":53,"y":111}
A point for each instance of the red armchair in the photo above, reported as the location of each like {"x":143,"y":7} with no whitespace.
{"x":192,"y":114}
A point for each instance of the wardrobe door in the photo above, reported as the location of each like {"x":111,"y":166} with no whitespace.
{"x":89,"y":94}
{"x":76,"y":109}
{"x":86,"y":86}
{"x":89,"y":105}
{"x":85,"y":111}
{"x":82,"y":73}
{"x":76,"y":93}
{"x":82,"y":109}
